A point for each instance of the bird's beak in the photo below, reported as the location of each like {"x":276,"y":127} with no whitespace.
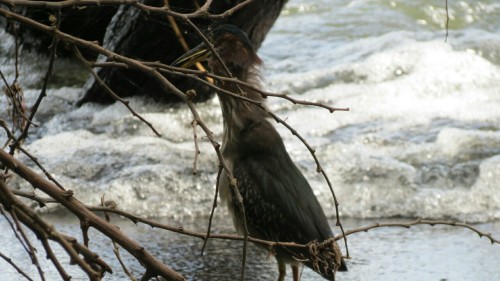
{"x":197,"y":54}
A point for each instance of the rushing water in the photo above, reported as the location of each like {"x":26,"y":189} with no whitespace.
{"x":421,"y":139}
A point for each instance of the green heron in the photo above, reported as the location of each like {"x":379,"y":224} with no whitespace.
{"x":278,"y":201}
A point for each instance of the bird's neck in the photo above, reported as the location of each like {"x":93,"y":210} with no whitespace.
{"x":238,"y":113}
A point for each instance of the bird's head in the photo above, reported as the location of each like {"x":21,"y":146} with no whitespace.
{"x":236,"y":51}
{"x":232,"y":45}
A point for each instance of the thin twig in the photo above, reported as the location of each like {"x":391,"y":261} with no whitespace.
{"x":180,"y":37}
{"x":52,"y":257}
{"x":30,"y":156}
{"x":420,"y":222}
{"x":197,"y":152}
{"x":43,"y":93}
{"x":42,"y":201}
{"x":447,"y":20}
{"x":184,"y":72}
{"x":37,"y":163}
{"x":14,"y":230}
{"x":181,"y":230}
{"x":214,"y":205}
{"x":31,"y":249}
{"x":84,"y":225}
{"x":232,"y":182}
{"x":196,"y":74}
{"x":13,"y":264}
{"x":11,"y":95}
{"x":209,"y":45}
{"x":116,"y":249}
{"x":10,"y":136}
{"x":126,"y":103}
{"x":202,"y":13}
{"x":215,"y":54}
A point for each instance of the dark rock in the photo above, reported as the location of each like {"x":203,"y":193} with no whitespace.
{"x":88,"y":24}
{"x":129,"y":31}
{"x":151,"y":38}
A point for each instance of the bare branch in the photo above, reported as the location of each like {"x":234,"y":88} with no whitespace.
{"x":76,"y":207}
{"x":43,"y":231}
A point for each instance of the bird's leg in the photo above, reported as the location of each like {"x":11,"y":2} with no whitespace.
{"x":296,"y":271}
{"x":282,"y":269}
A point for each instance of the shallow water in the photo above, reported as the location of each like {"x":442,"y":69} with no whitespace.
{"x":419,"y":253}
{"x":421,"y":139}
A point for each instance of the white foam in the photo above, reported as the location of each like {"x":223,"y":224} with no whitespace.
{"x":414,"y":141}
{"x":420,"y":139}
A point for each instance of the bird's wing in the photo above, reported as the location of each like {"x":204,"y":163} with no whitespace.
{"x":279,"y":202}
